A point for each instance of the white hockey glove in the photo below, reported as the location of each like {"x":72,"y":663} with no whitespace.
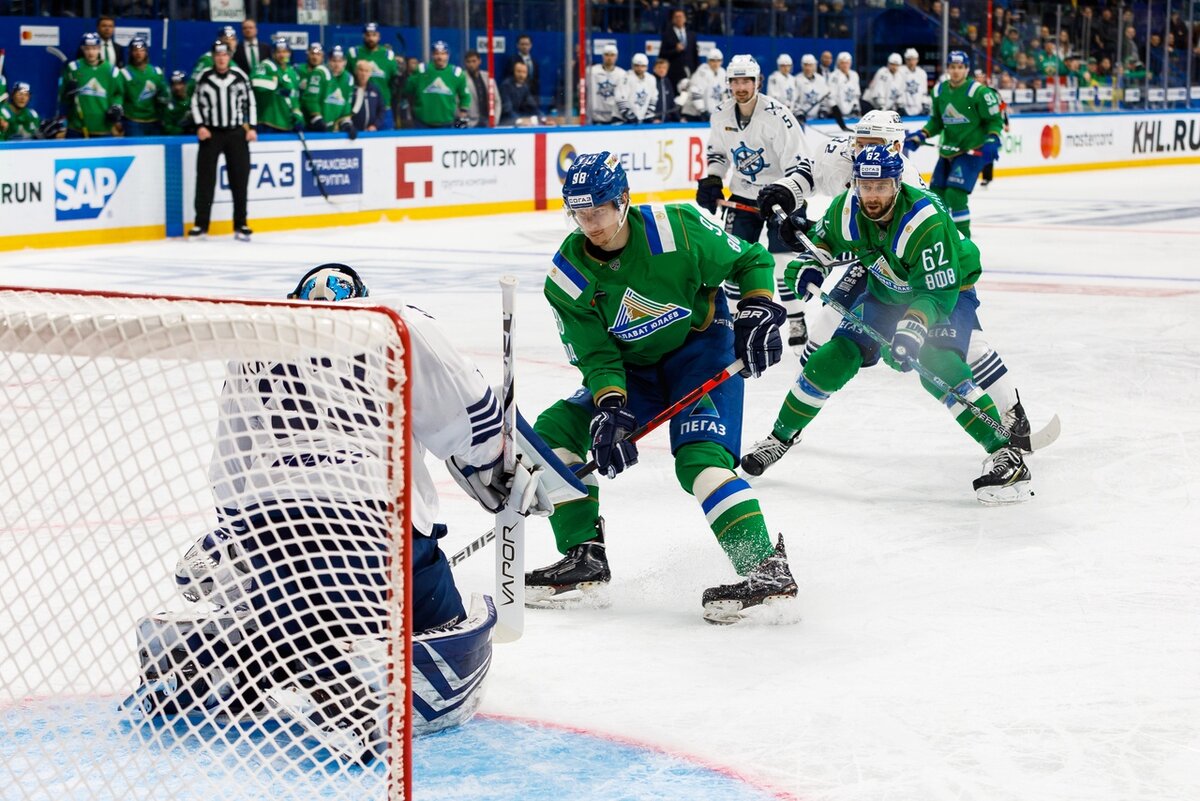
{"x":494,"y":489}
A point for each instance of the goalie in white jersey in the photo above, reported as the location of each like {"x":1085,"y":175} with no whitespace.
{"x":755,"y":140}
{"x":829,"y":174}
{"x":299,"y":562}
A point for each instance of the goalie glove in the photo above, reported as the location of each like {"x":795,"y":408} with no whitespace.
{"x":494,"y":489}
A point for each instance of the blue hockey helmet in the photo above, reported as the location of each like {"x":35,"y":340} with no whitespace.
{"x":875,"y":163}
{"x":329,"y":282}
{"x":89,"y":39}
{"x":594,"y":179}
{"x":958,"y":57}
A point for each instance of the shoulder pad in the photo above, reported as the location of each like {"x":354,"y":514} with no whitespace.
{"x":457,"y":71}
{"x":73,"y":66}
{"x":972,"y":88}
{"x":115,"y":72}
{"x":569,"y":279}
{"x":128,"y":75}
{"x":325,"y":71}
{"x":388,"y":48}
{"x":34,"y":113}
{"x":937,"y":88}
{"x":421,"y":67}
{"x":158,"y":71}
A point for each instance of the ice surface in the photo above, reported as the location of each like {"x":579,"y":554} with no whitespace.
{"x":946,"y":650}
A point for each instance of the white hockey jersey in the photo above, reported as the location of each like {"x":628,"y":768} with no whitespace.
{"x":885,"y":91}
{"x":845,"y":92}
{"x":603,"y":86}
{"x":782,"y":89}
{"x":914,"y":91}
{"x":706,"y":90}
{"x":761,"y":150}
{"x":812,"y":95}
{"x":333,"y":446}
{"x":638,"y":95}
{"x":832,"y":168}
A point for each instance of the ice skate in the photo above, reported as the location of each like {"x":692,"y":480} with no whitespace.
{"x":578,"y":579}
{"x":797,"y":334}
{"x":1005,"y":479}
{"x":196,"y":232}
{"x":767,"y":452}
{"x":242,"y":234}
{"x":342,"y":713}
{"x":770,"y":582}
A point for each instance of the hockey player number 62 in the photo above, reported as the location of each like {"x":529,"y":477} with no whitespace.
{"x":939,"y":272}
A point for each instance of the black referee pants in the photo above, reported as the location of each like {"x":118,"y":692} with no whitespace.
{"x":232,"y":143}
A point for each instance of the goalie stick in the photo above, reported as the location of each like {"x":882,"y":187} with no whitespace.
{"x":641,"y":431}
{"x":510,"y":524}
{"x":1037,"y":440}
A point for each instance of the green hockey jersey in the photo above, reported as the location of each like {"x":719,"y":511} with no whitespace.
{"x":642,"y":303}
{"x":18,"y":123}
{"x":177,"y":115}
{"x":965,"y":116}
{"x":144,"y":93}
{"x":86,"y":93}
{"x":437,"y":95}
{"x":383,"y":69}
{"x":277,"y":95}
{"x":918,"y":259}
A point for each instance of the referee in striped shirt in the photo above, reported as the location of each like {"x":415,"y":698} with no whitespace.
{"x":224,"y":112}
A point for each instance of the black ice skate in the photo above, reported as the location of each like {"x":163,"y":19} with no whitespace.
{"x":769,"y":582}
{"x":1005,"y":479}
{"x":196,"y":232}
{"x":767,"y":452}
{"x":578,"y":579}
{"x":242,"y":234}
{"x":342,"y":713}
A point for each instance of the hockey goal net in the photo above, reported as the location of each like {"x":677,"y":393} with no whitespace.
{"x":203,"y":549}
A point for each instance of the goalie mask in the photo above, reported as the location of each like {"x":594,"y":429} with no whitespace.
{"x":329,"y":282}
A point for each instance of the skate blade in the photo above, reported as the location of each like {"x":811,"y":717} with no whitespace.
{"x":241,"y":237}
{"x":586,"y":594}
{"x":1004,"y":496}
{"x":296,"y":707}
{"x":775,"y":610}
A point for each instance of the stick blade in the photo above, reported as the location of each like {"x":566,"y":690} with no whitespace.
{"x":510,"y":577}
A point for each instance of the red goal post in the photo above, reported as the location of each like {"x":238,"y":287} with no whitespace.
{"x":116,"y":423}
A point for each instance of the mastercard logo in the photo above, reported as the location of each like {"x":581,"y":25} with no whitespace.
{"x":1051,"y":141}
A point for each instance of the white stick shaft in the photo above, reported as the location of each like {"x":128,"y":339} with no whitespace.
{"x":510,"y":526}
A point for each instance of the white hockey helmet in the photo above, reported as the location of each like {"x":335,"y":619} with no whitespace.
{"x":844,"y":56}
{"x":911,"y":53}
{"x":742,"y":66}
{"x":639,"y":58}
{"x":880,"y":124}
{"x":808,"y":58}
{"x":894,"y":58}
{"x":784,"y":60}
{"x":715,"y":55}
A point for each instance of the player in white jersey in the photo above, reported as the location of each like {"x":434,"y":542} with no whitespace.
{"x":707,"y":88}
{"x":812,"y":91}
{"x":914,"y":86}
{"x":755,"y":140}
{"x":638,"y":92}
{"x":604,"y":80}
{"x":884,"y":92}
{"x":781,"y":86}
{"x":830,"y":174}
{"x":300,"y":479}
{"x":845,"y":91}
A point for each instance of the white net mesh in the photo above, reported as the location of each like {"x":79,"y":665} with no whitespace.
{"x":268,"y":443}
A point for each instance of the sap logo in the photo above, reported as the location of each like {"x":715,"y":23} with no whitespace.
{"x":83,"y":187}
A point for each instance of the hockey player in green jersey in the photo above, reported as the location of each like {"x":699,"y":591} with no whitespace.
{"x":920,"y":294}
{"x":144,"y":92}
{"x":383,"y":71}
{"x":228,"y":37}
{"x":313,"y":71}
{"x":89,"y":93}
{"x":277,"y":92}
{"x":438,"y":92}
{"x":17,"y":119}
{"x":967,"y":116}
{"x":177,"y":117}
{"x":636,"y":294}
{"x":328,"y":94}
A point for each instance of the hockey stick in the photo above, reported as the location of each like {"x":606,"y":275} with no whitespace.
{"x":641,"y":431}
{"x":733,"y":204}
{"x":510,"y":551}
{"x":312,"y":166}
{"x":62,"y":57}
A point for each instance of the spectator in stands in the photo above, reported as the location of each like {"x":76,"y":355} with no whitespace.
{"x":1048,"y":58}
{"x":1104,"y":34}
{"x":679,"y":48}
{"x":709,"y":17}
{"x":366,"y":106}
{"x":110,"y":51}
{"x":1009,"y":47}
{"x":1130,"y":44}
{"x":666,"y":107}
{"x":524,"y":55}
{"x":482,"y":89}
{"x":438,"y":92}
{"x":826,"y":68}
{"x":517,"y":105}
{"x":837,"y":21}
{"x":251,"y":52}
{"x":1177,"y":27}
{"x":1026,"y":71}
{"x":144,"y":94}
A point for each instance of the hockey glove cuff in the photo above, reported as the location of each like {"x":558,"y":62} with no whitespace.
{"x":908,"y":341}
{"x":756,"y":339}
{"x":494,"y":489}
{"x":708,"y":192}
{"x":784,"y":193}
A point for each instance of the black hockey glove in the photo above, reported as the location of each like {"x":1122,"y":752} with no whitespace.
{"x":297,"y":124}
{"x":460,"y":122}
{"x":318,"y":125}
{"x":610,"y":430}
{"x":51,"y":128}
{"x":796,"y":222}
{"x":708,"y":192}
{"x":114,"y":114}
{"x":908,"y":341}
{"x":756,"y":339}
{"x":284,"y":90}
{"x":782,"y":194}
{"x":347,"y":127}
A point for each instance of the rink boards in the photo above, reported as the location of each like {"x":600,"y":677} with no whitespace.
{"x":54,"y":194}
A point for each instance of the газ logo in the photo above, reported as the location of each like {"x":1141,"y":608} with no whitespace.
{"x":1051,"y":142}
{"x":566,"y":157}
{"x":82,"y":187}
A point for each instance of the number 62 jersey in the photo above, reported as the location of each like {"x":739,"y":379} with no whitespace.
{"x":759,"y":149}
